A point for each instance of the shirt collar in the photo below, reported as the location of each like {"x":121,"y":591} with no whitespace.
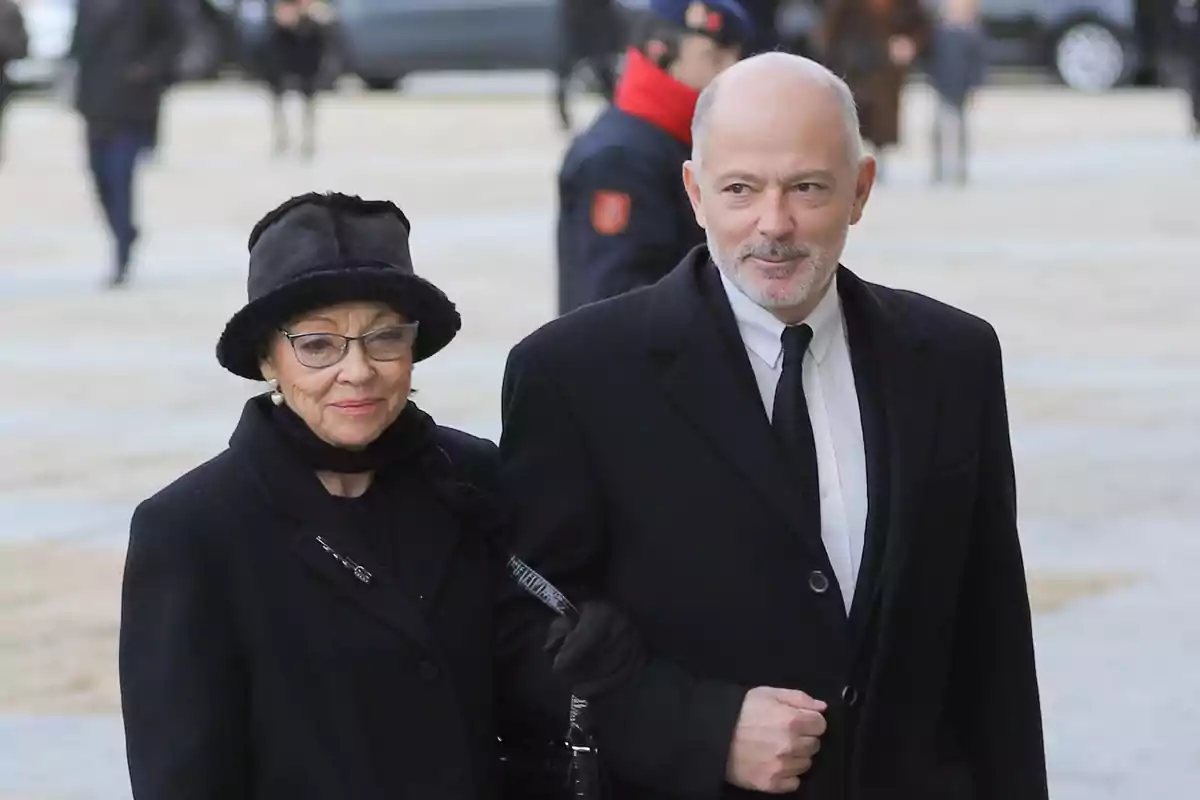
{"x":763,"y":332}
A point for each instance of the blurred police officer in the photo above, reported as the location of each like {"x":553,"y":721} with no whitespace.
{"x":624,"y":218}
{"x":589,"y":32}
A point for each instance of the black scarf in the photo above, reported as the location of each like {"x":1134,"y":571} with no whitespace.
{"x":407,"y":451}
{"x":409,"y":439}
{"x":389,"y":529}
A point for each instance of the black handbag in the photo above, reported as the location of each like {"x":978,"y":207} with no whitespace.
{"x":568,"y":769}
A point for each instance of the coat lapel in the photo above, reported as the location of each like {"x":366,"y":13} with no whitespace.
{"x":909,"y":402}
{"x":865,"y":361}
{"x":707,"y":378}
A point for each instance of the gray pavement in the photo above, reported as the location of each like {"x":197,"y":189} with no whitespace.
{"x":1079,"y":240}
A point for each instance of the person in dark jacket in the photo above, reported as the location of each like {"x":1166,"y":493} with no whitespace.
{"x":125,"y":52}
{"x":957,"y":61}
{"x":622,"y":213}
{"x":589,"y":33}
{"x":797,"y":484}
{"x":874,"y":44}
{"x":314,"y":613}
{"x":14,"y":45}
{"x":295,"y":47}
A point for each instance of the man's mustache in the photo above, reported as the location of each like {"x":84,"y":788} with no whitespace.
{"x":774,"y":251}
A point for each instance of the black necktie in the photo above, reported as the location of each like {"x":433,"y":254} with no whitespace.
{"x":791,"y":421}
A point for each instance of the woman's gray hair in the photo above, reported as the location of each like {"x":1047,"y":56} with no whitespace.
{"x":806,"y":68}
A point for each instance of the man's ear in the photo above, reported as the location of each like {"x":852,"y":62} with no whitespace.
{"x":862,"y":188}
{"x":691,"y":182}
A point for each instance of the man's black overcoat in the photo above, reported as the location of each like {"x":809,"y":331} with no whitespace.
{"x":643,"y":468}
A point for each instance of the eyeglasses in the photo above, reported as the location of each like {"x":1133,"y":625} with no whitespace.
{"x":320,"y":350}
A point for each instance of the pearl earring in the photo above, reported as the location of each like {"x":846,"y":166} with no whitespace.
{"x":276,"y":395}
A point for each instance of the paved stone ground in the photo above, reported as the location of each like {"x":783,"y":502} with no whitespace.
{"x":1079,"y":240}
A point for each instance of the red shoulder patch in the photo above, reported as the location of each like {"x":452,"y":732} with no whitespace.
{"x":610,"y":212}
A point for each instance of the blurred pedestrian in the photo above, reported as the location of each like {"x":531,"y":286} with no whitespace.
{"x":872,"y":44}
{"x":14,"y":45}
{"x":590,"y":34}
{"x":125,"y":52}
{"x":296,"y":44}
{"x":623,"y":216}
{"x":956,"y":69}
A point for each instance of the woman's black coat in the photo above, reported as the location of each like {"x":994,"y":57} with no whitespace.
{"x":255,"y":664}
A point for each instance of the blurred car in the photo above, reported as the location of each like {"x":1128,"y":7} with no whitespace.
{"x":382,"y":41}
{"x":1090,"y":45}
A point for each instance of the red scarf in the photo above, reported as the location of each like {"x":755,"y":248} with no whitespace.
{"x":649,"y":93}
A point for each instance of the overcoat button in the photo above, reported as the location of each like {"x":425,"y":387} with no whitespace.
{"x":850,"y":696}
{"x":429,"y":671}
{"x":818,"y":582}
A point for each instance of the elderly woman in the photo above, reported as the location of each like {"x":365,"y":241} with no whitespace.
{"x":311,"y":613}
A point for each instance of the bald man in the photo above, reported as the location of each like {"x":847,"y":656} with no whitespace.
{"x":798,"y":485}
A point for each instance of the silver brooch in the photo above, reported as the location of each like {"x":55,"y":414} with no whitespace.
{"x":359,"y":570}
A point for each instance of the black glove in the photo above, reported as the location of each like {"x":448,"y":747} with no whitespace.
{"x":598,"y":652}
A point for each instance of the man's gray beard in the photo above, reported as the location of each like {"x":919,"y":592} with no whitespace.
{"x":795,"y":296}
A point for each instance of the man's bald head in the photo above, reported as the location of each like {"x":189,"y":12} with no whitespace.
{"x":777,"y":177}
{"x":776,"y":80}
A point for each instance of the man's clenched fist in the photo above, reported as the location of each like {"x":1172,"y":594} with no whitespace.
{"x":777,"y":734}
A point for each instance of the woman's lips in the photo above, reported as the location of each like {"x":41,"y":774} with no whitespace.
{"x":357,"y":407}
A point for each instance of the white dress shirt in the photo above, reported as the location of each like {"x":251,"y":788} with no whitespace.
{"x":833,"y":407}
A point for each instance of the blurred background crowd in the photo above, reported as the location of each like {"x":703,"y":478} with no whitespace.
{"x":1090,"y":45}
{"x":115,"y":59}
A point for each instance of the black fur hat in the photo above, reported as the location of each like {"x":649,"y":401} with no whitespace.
{"x":317,"y":250}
